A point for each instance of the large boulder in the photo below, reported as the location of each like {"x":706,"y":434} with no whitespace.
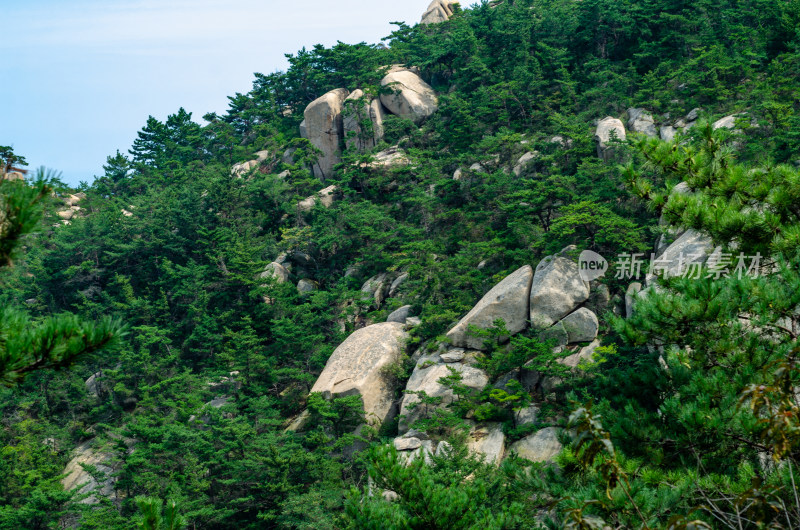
{"x":584,"y":355}
{"x":728,"y":122}
{"x":400,"y":315}
{"x":557,"y":290}
{"x":543,"y":446}
{"x":376,"y":287}
{"x":325,"y":130}
{"x":642,"y":122}
{"x":94,"y":384}
{"x":668,"y":133}
{"x":487,"y":442}
{"x":326,"y":197}
{"x":356,"y":367}
{"x":78,"y":478}
{"x":425,"y":377}
{"x":275,"y":271}
{"x":388,"y":158}
{"x":581,"y":326}
{"x":305,"y":286}
{"x":242,"y":169}
{"x":523,"y":162}
{"x":358,"y":112}
{"x":409,"y":96}
{"x":508,"y":300}
{"x":683,"y":257}
{"x":438,"y":11}
{"x":608,"y":129}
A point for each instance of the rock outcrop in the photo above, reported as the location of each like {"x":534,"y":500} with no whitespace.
{"x":305,"y":286}
{"x":683,"y":257}
{"x":557,"y":290}
{"x":389,"y":158}
{"x":543,"y":446}
{"x":425,"y":378}
{"x":357,"y":112}
{"x":438,"y":11}
{"x":325,"y":130}
{"x":410,"y":96}
{"x":356,"y":367}
{"x":581,"y":326}
{"x":326,"y":197}
{"x":276,"y":271}
{"x":78,"y":478}
{"x":400,"y":315}
{"x":728,"y":122}
{"x":488,"y":442}
{"x":523,"y":162}
{"x":608,"y":129}
{"x":244,"y":168}
{"x":377,"y":287}
{"x":642,"y":122}
{"x":508,"y":300}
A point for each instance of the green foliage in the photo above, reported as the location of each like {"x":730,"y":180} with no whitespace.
{"x":435,"y":496}
{"x":182,"y":266}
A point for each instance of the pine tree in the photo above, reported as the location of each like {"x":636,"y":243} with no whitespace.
{"x":54,"y":342}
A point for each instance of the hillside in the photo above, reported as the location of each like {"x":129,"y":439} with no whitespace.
{"x":359,"y":298}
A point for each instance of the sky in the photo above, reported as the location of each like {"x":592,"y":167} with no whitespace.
{"x":79,"y":78}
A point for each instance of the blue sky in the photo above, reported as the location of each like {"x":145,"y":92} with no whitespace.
{"x":79,"y":78}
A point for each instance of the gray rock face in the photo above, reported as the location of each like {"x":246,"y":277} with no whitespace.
{"x":607,"y":129}
{"x":523,"y":162}
{"x":543,"y":446}
{"x":376,"y":287}
{"x":306,"y":286}
{"x":640,"y":121}
{"x":389,"y":158}
{"x":359,"y":111}
{"x":93,"y":384}
{"x":425,"y":377}
{"x":630,"y":298}
{"x":668,"y":132}
{"x":556,"y":333}
{"x":508,"y":300}
{"x":407,"y":444}
{"x":584,"y":355}
{"x":487,"y":441}
{"x":728,"y":122}
{"x":394,"y":289}
{"x":526,"y":415}
{"x":599,"y":298}
{"x":356,"y":368}
{"x":277,"y":272}
{"x":243,"y":168}
{"x":581,"y":326}
{"x":556,"y":291}
{"x":400,"y":315}
{"x":684,"y":256}
{"x":77,"y":477}
{"x":326,"y":197}
{"x":529,"y":379}
{"x":411,"y":97}
{"x":455,"y":355}
{"x":693,"y":115}
{"x":438,"y":11}
{"x":325,"y":129}
{"x":425,"y":450}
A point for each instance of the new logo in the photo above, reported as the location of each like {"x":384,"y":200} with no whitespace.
{"x":592,"y":265}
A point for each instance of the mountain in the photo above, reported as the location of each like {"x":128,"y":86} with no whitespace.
{"x":362,"y":297}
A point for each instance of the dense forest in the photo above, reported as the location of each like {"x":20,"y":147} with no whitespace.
{"x":161,"y":335}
